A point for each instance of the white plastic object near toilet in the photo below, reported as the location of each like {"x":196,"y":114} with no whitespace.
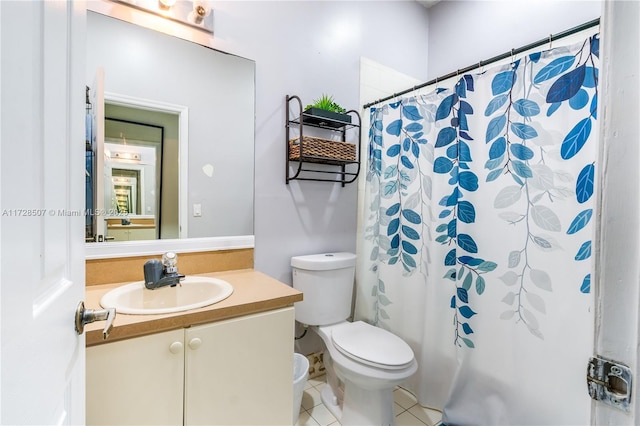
{"x":300,"y":376}
{"x":369,"y":360}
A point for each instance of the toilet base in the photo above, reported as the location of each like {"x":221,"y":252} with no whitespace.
{"x":330,"y":401}
{"x":367,"y":407}
{"x":360,"y":406}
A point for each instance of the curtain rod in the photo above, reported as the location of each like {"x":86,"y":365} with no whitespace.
{"x":505,"y":55}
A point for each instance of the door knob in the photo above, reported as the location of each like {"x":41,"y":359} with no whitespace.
{"x":87,"y":316}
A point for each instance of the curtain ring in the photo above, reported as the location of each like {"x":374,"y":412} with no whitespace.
{"x":513,"y":57}
{"x":436,"y":84}
{"x":550,"y":40}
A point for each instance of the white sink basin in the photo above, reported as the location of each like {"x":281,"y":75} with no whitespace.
{"x":195,"y":292}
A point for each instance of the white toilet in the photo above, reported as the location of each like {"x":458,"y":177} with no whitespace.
{"x":368,"y":361}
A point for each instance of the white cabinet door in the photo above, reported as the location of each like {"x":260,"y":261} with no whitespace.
{"x":233,"y":372}
{"x":136,"y":381}
{"x":240,"y":371}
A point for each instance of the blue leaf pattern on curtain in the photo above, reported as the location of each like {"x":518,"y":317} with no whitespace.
{"x":452,"y":155}
{"x":524,"y":162}
{"x":418,"y":140}
{"x":477,"y":238}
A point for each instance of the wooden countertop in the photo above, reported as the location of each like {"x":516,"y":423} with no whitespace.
{"x":253,"y":292}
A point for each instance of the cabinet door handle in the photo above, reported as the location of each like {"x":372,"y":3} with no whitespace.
{"x":195,"y":343}
{"x":175,"y":347}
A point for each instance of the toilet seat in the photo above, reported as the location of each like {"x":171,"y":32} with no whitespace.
{"x":371,"y":345}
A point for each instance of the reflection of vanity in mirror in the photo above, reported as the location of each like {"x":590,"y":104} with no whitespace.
{"x":172,"y":136}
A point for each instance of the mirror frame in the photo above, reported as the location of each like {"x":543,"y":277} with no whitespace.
{"x":109,"y":250}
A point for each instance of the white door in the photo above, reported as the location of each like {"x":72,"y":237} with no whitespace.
{"x":41,"y":201}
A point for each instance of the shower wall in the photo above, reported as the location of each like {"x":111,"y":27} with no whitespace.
{"x":494,"y":27}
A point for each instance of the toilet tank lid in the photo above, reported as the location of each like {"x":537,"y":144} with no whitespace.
{"x":324,"y":261}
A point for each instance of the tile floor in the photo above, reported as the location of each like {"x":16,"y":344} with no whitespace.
{"x":408,"y":412}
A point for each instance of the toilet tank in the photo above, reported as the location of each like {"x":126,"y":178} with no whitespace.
{"x":326,"y":281}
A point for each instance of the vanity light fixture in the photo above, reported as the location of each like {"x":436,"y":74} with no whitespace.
{"x":195,"y":13}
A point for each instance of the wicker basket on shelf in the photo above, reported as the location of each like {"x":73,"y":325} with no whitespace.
{"x":323,"y":148}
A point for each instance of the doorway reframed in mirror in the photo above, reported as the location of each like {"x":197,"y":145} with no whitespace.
{"x":133,"y":191}
{"x":174,"y":222}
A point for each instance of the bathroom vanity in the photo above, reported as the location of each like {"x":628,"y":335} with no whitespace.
{"x":224,"y":364}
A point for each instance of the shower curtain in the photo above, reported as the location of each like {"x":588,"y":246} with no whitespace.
{"x":477,"y":237}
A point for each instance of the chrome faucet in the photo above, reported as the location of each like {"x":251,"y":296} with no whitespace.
{"x":162,"y":273}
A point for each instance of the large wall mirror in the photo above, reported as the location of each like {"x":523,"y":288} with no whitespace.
{"x":176,"y":158}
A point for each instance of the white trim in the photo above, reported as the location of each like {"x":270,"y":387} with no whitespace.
{"x":154,"y":247}
{"x":183,"y":145}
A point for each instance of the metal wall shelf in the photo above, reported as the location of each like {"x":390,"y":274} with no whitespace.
{"x":347,"y":171}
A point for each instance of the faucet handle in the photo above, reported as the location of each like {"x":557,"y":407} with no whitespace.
{"x":169,"y":259}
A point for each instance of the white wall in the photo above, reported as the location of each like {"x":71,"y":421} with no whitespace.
{"x":308,"y":48}
{"x":463,"y":33}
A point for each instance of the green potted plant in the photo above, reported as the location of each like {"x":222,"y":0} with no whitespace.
{"x":326,"y":108}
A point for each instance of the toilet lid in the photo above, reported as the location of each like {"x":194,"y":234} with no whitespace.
{"x":372,"y":345}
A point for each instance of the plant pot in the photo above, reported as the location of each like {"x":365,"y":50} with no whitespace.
{"x":323,"y":117}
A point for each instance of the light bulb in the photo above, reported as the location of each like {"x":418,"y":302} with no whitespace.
{"x":167,"y":4}
{"x":200,"y":11}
